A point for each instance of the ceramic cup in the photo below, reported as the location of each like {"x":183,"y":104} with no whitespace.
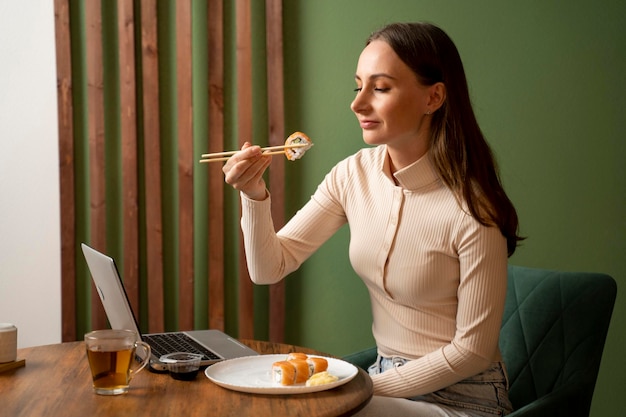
{"x":8,"y":342}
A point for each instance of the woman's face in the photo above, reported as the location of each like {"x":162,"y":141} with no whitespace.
{"x":390,"y":103}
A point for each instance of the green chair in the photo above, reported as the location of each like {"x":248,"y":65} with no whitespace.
{"x":552,"y":338}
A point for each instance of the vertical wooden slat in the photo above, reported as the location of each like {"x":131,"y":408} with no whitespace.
{"x":152,"y":165}
{"x":95,"y":98}
{"x":244,"y":123}
{"x":152,"y":155}
{"x":128,"y":122}
{"x":66,"y":169}
{"x":276,"y":114}
{"x":216,"y":182}
{"x":185,"y":164}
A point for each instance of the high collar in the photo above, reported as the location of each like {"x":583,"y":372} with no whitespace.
{"x":420,"y":173}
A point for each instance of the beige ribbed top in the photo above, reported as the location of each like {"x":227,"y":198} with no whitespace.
{"x":436,"y":277}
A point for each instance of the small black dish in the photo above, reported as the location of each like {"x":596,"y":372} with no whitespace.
{"x":182,"y":366}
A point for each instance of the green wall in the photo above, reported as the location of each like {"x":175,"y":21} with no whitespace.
{"x":547,"y":82}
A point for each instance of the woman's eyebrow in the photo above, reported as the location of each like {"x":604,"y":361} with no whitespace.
{"x":376,"y":76}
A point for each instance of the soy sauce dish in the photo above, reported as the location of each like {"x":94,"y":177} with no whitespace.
{"x":182,"y":366}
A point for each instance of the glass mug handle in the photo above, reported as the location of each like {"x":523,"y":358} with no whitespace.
{"x":145,"y":361}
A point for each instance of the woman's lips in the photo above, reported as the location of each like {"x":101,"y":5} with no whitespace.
{"x":368,"y":124}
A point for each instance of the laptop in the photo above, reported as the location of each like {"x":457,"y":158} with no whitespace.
{"x":214,"y":345}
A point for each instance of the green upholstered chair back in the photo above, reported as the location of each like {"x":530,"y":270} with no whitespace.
{"x":552,"y":337}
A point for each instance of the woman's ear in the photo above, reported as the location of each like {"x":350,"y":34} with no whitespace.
{"x":437,"y":96}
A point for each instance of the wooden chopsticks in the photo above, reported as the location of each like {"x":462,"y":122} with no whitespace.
{"x":271,"y":150}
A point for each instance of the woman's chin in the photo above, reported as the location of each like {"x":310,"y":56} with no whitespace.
{"x":372,"y":140}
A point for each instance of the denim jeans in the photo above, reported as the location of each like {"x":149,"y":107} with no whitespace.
{"x":482,"y":395}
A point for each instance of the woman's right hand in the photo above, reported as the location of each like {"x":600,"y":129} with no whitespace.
{"x":244,"y":171}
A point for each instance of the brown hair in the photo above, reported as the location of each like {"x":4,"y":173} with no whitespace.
{"x":458,"y":148}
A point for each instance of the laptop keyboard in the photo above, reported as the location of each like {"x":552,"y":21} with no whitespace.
{"x":165,"y":343}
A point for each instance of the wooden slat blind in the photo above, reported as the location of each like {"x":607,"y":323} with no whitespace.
{"x":66,"y":168}
{"x":137,"y":89}
{"x":276,"y":114}
{"x":152,"y":163}
{"x":128,"y":124}
{"x":185,"y":164}
{"x":244,"y":124}
{"x":216,"y":184}
{"x":95,"y":119}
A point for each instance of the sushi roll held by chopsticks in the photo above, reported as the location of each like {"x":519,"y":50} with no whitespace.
{"x":297,"y":138}
{"x":295,"y":146}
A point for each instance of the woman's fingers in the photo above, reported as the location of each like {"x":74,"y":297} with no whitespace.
{"x":244,"y":171}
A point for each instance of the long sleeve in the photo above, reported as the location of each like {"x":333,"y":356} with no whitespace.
{"x":271,"y":256}
{"x":435,"y":276}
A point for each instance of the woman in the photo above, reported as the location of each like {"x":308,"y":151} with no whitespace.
{"x":431,"y":228}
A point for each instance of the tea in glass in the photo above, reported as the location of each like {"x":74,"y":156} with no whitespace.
{"x":111,"y":354}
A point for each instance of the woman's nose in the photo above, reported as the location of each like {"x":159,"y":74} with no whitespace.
{"x":359,"y":104}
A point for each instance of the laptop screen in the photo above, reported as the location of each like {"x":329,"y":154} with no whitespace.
{"x":110,"y":289}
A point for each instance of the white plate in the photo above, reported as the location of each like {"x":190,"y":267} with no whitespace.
{"x":254,"y":374}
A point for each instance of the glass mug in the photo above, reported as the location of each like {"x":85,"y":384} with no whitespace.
{"x":110,"y":354}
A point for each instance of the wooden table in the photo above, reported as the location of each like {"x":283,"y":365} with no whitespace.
{"x":56,"y":382}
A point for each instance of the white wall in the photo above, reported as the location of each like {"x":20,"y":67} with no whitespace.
{"x":30,"y":277}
